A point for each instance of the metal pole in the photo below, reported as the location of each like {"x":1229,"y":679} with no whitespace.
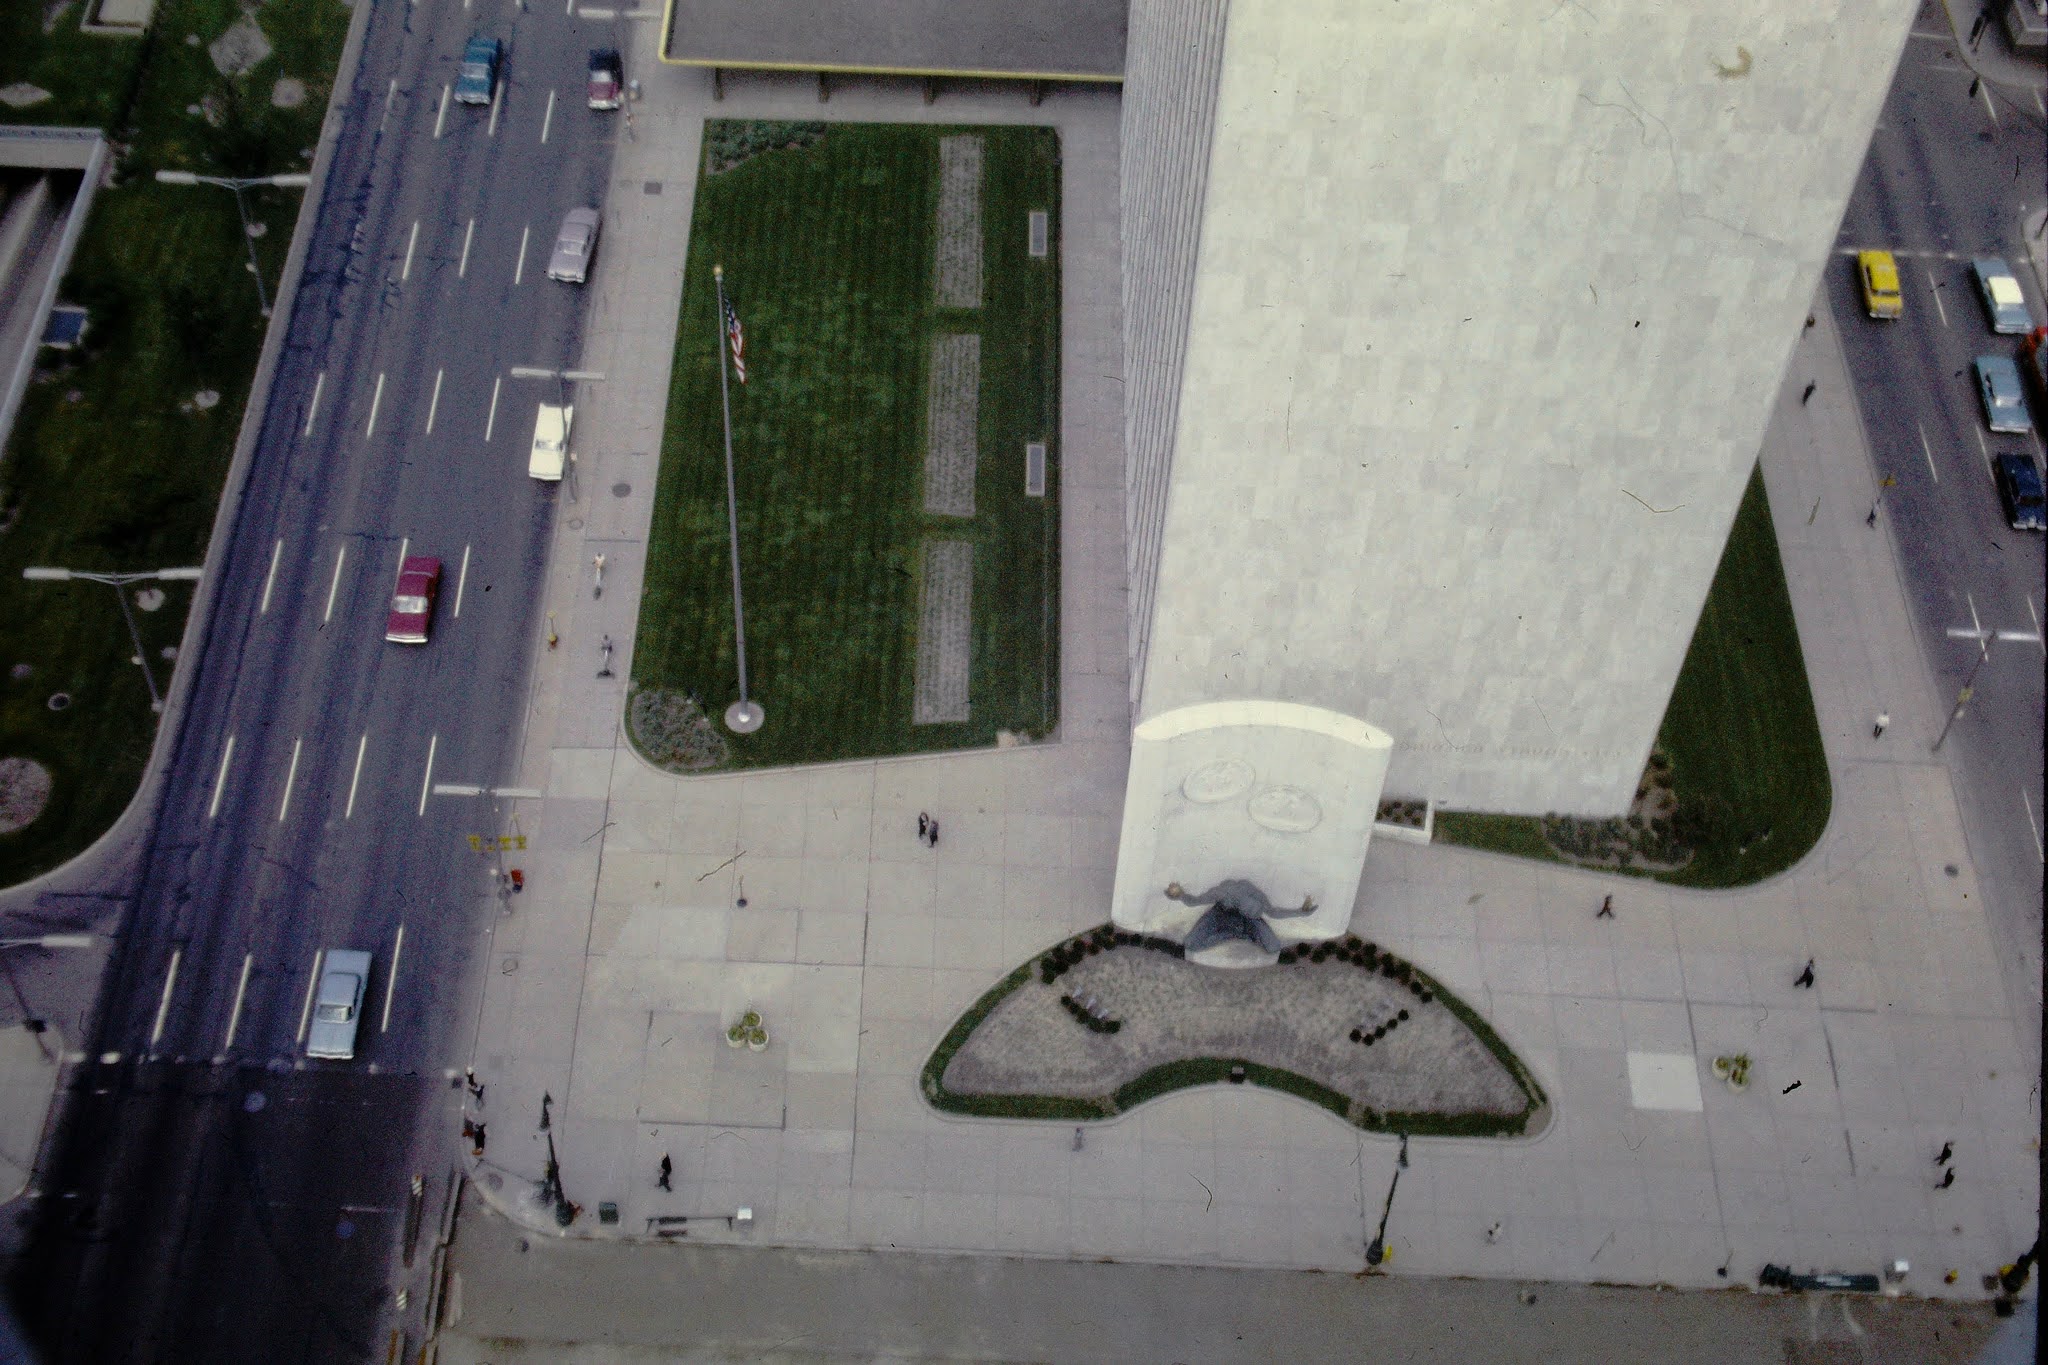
{"x":262,"y":299}
{"x":156,"y":703}
{"x":742,"y":715}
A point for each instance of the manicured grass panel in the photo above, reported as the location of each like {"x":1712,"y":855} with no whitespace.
{"x":1741,"y":732}
{"x":827,"y":256}
{"x":122,"y":478}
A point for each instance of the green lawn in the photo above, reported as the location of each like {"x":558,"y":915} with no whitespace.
{"x":1747,"y":764}
{"x":90,"y":76}
{"x":110,"y":466}
{"x":827,"y":250}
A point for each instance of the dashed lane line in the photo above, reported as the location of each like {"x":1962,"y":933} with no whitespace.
{"x":270,"y":580}
{"x":434,"y":406}
{"x":312,"y":982}
{"x":491,"y":421}
{"x":427,"y":782}
{"x":163,"y":1004}
{"x":362,"y":747}
{"x":461,"y":582}
{"x":313,"y":408}
{"x":391,"y":981}
{"x":235,"y":1014}
{"x":519,"y":268}
{"x":220,"y":783}
{"x":291,"y":774}
{"x":411,"y":243}
{"x":441,"y":119}
{"x":468,"y":235}
{"x":340,"y":555}
{"x":376,"y":401}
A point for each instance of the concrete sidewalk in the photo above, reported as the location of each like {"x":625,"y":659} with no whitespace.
{"x":659,"y":907}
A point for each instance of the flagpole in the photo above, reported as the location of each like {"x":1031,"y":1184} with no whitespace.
{"x":743,"y":716}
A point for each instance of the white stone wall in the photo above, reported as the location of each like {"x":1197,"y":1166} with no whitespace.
{"x":1490,"y":307}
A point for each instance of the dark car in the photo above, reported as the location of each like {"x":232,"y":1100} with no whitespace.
{"x":477,"y":82}
{"x":607,"y":79}
{"x":412,"y":604}
{"x":2019,"y":488}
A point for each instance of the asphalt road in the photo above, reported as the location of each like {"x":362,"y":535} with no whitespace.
{"x":1950,"y":173}
{"x":213,"y":1196}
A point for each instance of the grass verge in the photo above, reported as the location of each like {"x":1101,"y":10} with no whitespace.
{"x":827,"y":246}
{"x":112,"y":465}
{"x":1748,"y":769}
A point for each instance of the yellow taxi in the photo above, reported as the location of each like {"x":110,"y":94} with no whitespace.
{"x":1879,"y":274}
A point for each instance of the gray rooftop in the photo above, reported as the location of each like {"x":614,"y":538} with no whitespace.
{"x":1074,"y":40}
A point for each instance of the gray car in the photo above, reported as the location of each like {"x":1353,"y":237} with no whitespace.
{"x":2003,"y":302}
{"x":575,"y":244}
{"x":338,"y":1004}
{"x":1998,"y":385}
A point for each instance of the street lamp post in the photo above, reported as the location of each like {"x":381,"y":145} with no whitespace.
{"x":1376,"y":1250}
{"x":292,"y":180}
{"x":118,"y":582}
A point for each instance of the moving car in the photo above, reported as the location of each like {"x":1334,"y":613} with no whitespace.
{"x":2003,"y":301}
{"x":1998,"y":384}
{"x":550,"y":441}
{"x":1880,"y":276}
{"x":2019,"y":488}
{"x":607,"y":78}
{"x":477,"y":82}
{"x":412,"y":602}
{"x":338,"y":1004}
{"x":574,"y":246}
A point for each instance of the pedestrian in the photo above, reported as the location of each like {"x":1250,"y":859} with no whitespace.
{"x":931,"y":836}
{"x":478,"y":1135}
{"x":476,"y":1087}
{"x":1948,"y":1149}
{"x":661,"y":1180}
{"x":1809,"y":322}
{"x":1493,"y":1234}
{"x":1806,"y":975}
{"x":1080,"y":1141}
{"x":468,"y":1128}
{"x":1871,"y":520}
{"x":1948,"y":1178}
{"x":924,"y":826}
{"x":1606,"y":910}
{"x":1884,"y":718}
{"x":518,"y":881}
{"x":1810,"y":387}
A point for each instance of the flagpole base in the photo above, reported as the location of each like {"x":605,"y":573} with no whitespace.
{"x":744,"y":717}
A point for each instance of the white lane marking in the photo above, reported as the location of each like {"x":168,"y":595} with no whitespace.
{"x":468,"y":236}
{"x":312,"y":408}
{"x":270,"y":581}
{"x":461,"y":582}
{"x":163,"y":1005}
{"x":220,"y":783}
{"x":441,"y":119}
{"x":457,"y":789}
{"x":335,"y":586}
{"x":391,"y":981}
{"x":548,"y":119}
{"x":405,"y":271}
{"x":241,"y":990}
{"x":1928,"y":451}
{"x":2033,"y":825}
{"x":497,"y":103}
{"x":588,"y":13}
{"x":2032,"y":616}
{"x":389,"y":95}
{"x":1934,"y":286}
{"x":427,"y":782}
{"x":570,"y":7}
{"x":291,"y":775}
{"x":306,"y":1010}
{"x":376,"y":401}
{"x":519,"y":270}
{"x":491,"y":421}
{"x":435,"y":406}
{"x":362,"y":747}
{"x":471,"y":789}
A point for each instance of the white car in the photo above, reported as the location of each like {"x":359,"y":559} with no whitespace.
{"x":550,"y":441}
{"x":575,"y":244}
{"x":338,"y":1004}
{"x":2004,"y":304}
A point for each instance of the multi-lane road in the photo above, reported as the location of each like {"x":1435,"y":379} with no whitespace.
{"x":213,"y":1196}
{"x":1953,"y":170}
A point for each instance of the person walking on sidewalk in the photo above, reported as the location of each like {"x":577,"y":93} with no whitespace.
{"x":1884,"y":718}
{"x":1948,"y":1178}
{"x":924,"y":826}
{"x":661,"y":1179}
{"x":1948,"y":1149}
{"x":1805,"y":977}
{"x":1606,"y":910}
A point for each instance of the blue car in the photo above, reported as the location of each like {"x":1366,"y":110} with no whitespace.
{"x":478,"y":81}
{"x":1998,"y":385}
{"x":2019,"y":488}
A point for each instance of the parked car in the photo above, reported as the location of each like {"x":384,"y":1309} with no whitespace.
{"x":477,"y":81}
{"x":607,"y":79}
{"x":338,"y":1004}
{"x":2019,"y":488}
{"x":412,"y":602}
{"x":2003,"y":301}
{"x":574,"y":246}
{"x":1879,"y":274}
{"x":550,"y":441}
{"x":1998,"y":384}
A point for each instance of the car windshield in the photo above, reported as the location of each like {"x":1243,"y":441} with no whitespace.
{"x":408,"y":605}
{"x":2005,"y":289}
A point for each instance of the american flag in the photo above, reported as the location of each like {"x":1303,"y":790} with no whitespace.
{"x":739,"y":342}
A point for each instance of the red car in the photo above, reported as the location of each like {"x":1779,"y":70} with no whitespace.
{"x":607,"y":79}
{"x":412,"y":605}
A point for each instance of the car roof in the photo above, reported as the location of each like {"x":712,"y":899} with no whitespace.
{"x":586,"y":216}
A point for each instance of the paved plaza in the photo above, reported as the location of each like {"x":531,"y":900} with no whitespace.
{"x":656,"y":908}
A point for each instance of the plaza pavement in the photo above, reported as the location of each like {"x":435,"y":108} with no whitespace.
{"x":610,"y":977}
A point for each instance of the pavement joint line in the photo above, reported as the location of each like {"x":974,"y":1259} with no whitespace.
{"x":313,"y":408}
{"x":391,"y":980}
{"x":312,"y":981}
{"x":241,"y":991}
{"x":270,"y":579}
{"x":334,"y":586}
{"x":220,"y":782}
{"x":376,"y":401}
{"x":427,"y":782}
{"x":163,"y":1004}
{"x":461,"y":582}
{"x":291,"y":774}
{"x":434,"y":406}
{"x":362,"y":747}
